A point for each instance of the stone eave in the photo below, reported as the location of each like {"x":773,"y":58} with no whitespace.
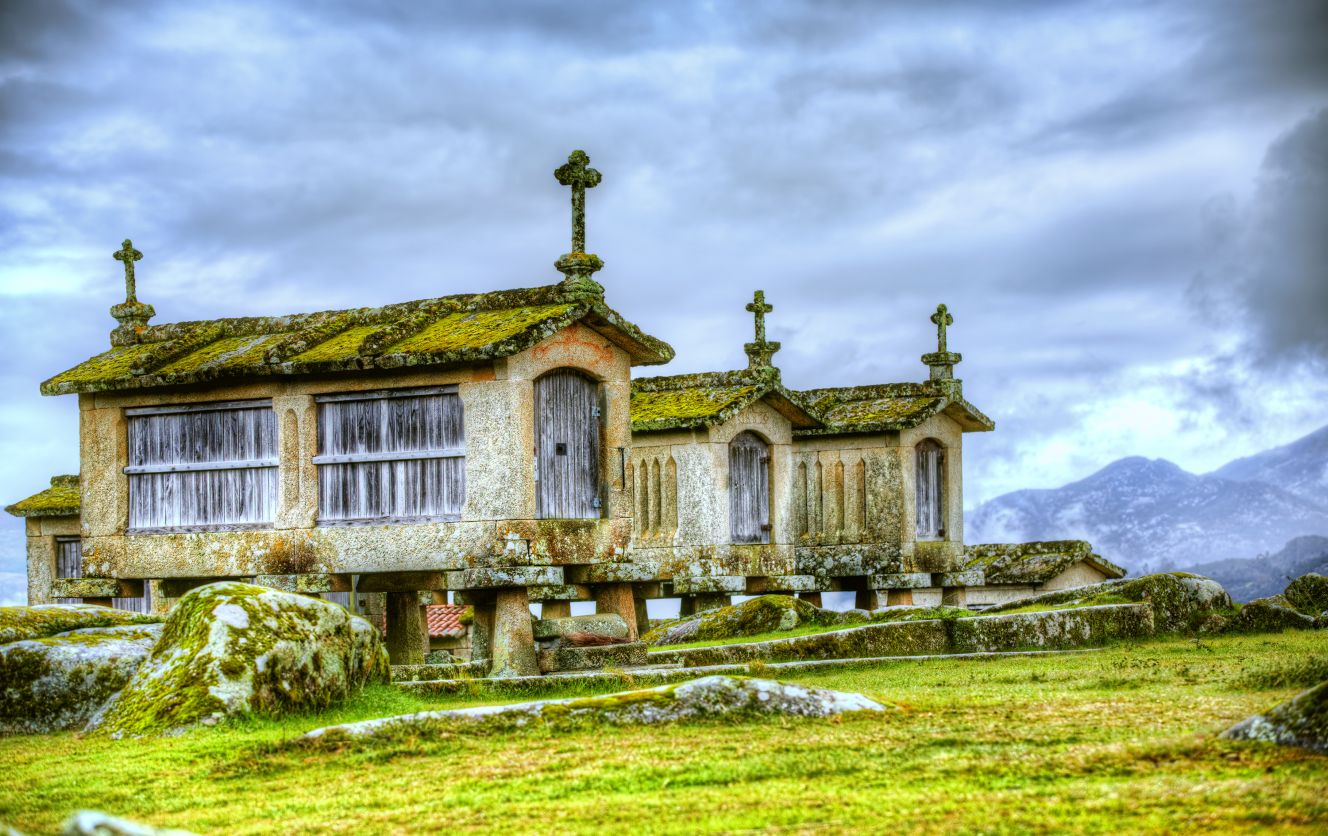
{"x":61,"y":499}
{"x":731,"y":392}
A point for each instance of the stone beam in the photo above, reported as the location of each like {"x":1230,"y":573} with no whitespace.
{"x":307,"y":584}
{"x":96,"y":588}
{"x":513,"y":576}
{"x":403,"y":581}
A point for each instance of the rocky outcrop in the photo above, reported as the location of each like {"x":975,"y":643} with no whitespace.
{"x":1269,"y":615}
{"x":1180,"y":601}
{"x":20,"y":623}
{"x":766,"y":614}
{"x":708,"y":697}
{"x":59,"y":682}
{"x":232,"y":648}
{"x":1308,"y":594}
{"x":1300,"y":721}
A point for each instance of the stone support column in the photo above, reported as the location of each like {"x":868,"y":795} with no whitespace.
{"x":899,"y":598}
{"x":618,"y":598}
{"x":712,"y":601}
{"x":813,"y":598}
{"x":404,"y":631}
{"x":866,"y":599}
{"x":642,"y":617}
{"x":513,"y":637}
{"x":481,"y":631}
{"x":556,"y":609}
{"x":687,"y":606}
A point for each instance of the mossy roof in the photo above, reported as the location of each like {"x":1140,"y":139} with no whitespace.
{"x":691,"y":401}
{"x":1037,"y":562}
{"x":61,"y":499}
{"x":445,"y":331}
{"x":889,"y":407}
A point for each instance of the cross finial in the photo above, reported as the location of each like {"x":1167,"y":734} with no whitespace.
{"x":128,"y":255}
{"x":759,"y":307}
{"x":577,"y":174}
{"x":942,"y":319}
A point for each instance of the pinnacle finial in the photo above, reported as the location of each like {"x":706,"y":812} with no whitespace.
{"x":943,"y":360}
{"x":760,"y":352}
{"x":128,"y":255}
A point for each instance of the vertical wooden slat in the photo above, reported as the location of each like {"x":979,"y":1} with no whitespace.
{"x":929,"y":489}
{"x":749,"y":489}
{"x":568,"y":481}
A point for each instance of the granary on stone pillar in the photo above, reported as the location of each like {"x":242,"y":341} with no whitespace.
{"x":878,"y":489}
{"x":711,"y":470}
{"x":473,"y":442}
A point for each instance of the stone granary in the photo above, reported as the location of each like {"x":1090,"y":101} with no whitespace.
{"x":494,"y":446}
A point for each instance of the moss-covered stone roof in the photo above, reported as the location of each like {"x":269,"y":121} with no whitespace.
{"x":61,"y":499}
{"x":430,"y":332}
{"x":1037,"y":562}
{"x":890,"y":407}
{"x":690,"y":401}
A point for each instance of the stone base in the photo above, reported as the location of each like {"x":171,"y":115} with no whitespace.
{"x":567,"y":658}
{"x":513,"y":636}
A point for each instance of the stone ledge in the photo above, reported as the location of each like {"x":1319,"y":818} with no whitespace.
{"x":900,"y":580}
{"x":968,"y":577}
{"x":95,"y":588}
{"x":726,"y":584}
{"x":560,"y":592}
{"x":611,"y":573}
{"x":595,"y":657}
{"x":311,"y":584}
{"x":600,"y":624}
{"x":506,"y":577}
{"x":786,"y":583}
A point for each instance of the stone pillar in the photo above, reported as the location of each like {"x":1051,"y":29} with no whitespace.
{"x":618,"y":598}
{"x":687,"y":606}
{"x":642,"y":617}
{"x":813,"y":598}
{"x":899,"y":598}
{"x":866,"y":599}
{"x":954,"y":596}
{"x":404,"y":631}
{"x":481,"y":630}
{"x":556,"y":609}
{"x":712,"y":601}
{"x":513,"y":638}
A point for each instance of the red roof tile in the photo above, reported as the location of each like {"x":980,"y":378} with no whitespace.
{"x":445,"y":620}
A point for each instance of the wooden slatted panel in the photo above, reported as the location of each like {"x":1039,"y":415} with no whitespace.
{"x":930,"y":490}
{"x":749,"y":489}
{"x":139,"y":605}
{"x":567,"y":440}
{"x":68,"y":563}
{"x":201,"y":497}
{"x":427,"y":481}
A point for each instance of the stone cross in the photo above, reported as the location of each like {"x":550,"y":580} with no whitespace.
{"x":759,"y":307}
{"x":942,"y":318}
{"x":128,"y":255}
{"x":580,"y":177}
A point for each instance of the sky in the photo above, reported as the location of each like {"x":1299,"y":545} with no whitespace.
{"x":1123,"y":204}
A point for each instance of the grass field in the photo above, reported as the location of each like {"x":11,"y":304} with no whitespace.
{"x":1120,"y":741}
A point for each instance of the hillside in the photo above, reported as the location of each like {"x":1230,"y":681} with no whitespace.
{"x":1144,"y":513}
{"x":1268,"y":574}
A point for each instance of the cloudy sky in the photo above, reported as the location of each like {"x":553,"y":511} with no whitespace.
{"x":1123,"y":204}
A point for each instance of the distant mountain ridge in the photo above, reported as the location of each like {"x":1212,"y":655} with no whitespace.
{"x":1268,"y":574}
{"x":1151,"y":514}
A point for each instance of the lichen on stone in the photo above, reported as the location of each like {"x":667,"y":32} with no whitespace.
{"x":43,"y":620}
{"x":1034,"y":562}
{"x":61,"y":499}
{"x":707,"y":399}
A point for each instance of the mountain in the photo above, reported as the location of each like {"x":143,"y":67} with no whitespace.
{"x":1150,"y":514}
{"x":1300,"y":467}
{"x":1268,"y":574}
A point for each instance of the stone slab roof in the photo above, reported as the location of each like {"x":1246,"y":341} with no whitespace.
{"x":691,"y":401}
{"x":430,"y":332}
{"x":61,"y":499}
{"x":444,"y":620}
{"x":1037,"y":562}
{"x":890,"y":407}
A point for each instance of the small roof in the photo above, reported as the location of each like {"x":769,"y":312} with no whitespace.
{"x":445,"y":620}
{"x":1038,"y":562}
{"x":891,"y":406}
{"x":429,"y":332}
{"x":61,"y":499}
{"x":691,"y":401}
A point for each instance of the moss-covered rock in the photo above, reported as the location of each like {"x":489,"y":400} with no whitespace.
{"x":766,"y":614}
{"x":1180,"y":600}
{"x":566,"y":657}
{"x":1269,"y":615}
{"x":605,"y":625}
{"x":1308,"y":594}
{"x":1300,"y":721}
{"x":232,"y":648}
{"x":22,"y":623}
{"x":698,"y":699}
{"x":59,"y":682}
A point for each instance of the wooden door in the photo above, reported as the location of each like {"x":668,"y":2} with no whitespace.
{"x":567,"y":439}
{"x":749,"y":489}
{"x":930,"y":490}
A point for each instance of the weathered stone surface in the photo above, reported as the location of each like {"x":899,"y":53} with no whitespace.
{"x":1180,"y":601}
{"x":406,"y":632}
{"x":609,"y":625}
{"x":20,"y":623}
{"x":513,"y":638}
{"x":1054,"y":629}
{"x":610,"y":573}
{"x":560,"y":592}
{"x":97,"y":823}
{"x":1269,"y":615}
{"x":59,"y":682}
{"x":1308,"y":594}
{"x":305,"y":584}
{"x":765,"y":614}
{"x":431,"y":671}
{"x":565,"y":657}
{"x":1300,"y":721}
{"x":618,"y":599}
{"x":505,"y":577}
{"x":708,"y":697}
{"x":968,"y":577}
{"x":902,"y":638}
{"x":233,"y":648}
{"x":727,"y":584}
{"x":809,"y":584}
{"x":85,"y":587}
{"x":901,"y":580}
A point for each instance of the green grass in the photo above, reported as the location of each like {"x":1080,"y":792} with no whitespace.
{"x":1120,"y":741}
